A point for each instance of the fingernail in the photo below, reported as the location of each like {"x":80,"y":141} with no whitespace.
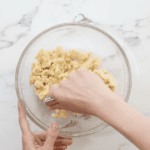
{"x":54,"y":126}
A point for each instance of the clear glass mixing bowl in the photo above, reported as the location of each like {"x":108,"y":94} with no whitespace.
{"x":84,"y":38}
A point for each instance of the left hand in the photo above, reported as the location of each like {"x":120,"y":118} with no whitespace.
{"x":46,"y":140}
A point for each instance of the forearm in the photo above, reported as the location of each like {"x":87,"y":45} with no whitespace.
{"x":129,"y":122}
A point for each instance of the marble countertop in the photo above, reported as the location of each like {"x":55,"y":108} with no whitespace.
{"x":127,"y":21}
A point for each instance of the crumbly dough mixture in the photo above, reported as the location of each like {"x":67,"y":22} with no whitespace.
{"x":55,"y":65}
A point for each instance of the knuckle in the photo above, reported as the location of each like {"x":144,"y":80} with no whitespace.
{"x":71,"y":76}
{"x":81,"y":70}
{"x":62,"y":83}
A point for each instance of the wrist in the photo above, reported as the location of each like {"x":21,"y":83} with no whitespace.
{"x":108,"y":108}
{"x":129,"y":122}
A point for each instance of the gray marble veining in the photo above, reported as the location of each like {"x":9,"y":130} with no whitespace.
{"x":133,"y":35}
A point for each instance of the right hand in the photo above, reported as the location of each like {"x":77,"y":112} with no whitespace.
{"x":83,"y":92}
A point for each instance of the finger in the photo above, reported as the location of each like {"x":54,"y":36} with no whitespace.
{"x":57,"y":106}
{"x":60,"y":148}
{"x":70,"y":108}
{"x":41,"y":135}
{"x":23,"y":120}
{"x":62,"y":137}
{"x":38,"y":140}
{"x":62,"y":142}
{"x":52,"y":103}
{"x":61,"y":105}
{"x":52,"y":134}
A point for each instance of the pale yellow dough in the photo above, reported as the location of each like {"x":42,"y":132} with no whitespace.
{"x":55,"y":65}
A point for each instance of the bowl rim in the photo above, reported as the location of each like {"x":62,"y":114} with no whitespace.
{"x":37,"y":121}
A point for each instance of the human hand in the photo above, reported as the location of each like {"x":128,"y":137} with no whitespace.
{"x":82,"y":92}
{"x":46,"y":140}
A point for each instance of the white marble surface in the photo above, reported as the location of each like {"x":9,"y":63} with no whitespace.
{"x":20,"y":20}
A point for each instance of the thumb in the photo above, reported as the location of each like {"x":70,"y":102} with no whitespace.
{"x":52,"y":134}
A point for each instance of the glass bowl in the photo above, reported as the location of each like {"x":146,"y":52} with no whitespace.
{"x":84,"y":38}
